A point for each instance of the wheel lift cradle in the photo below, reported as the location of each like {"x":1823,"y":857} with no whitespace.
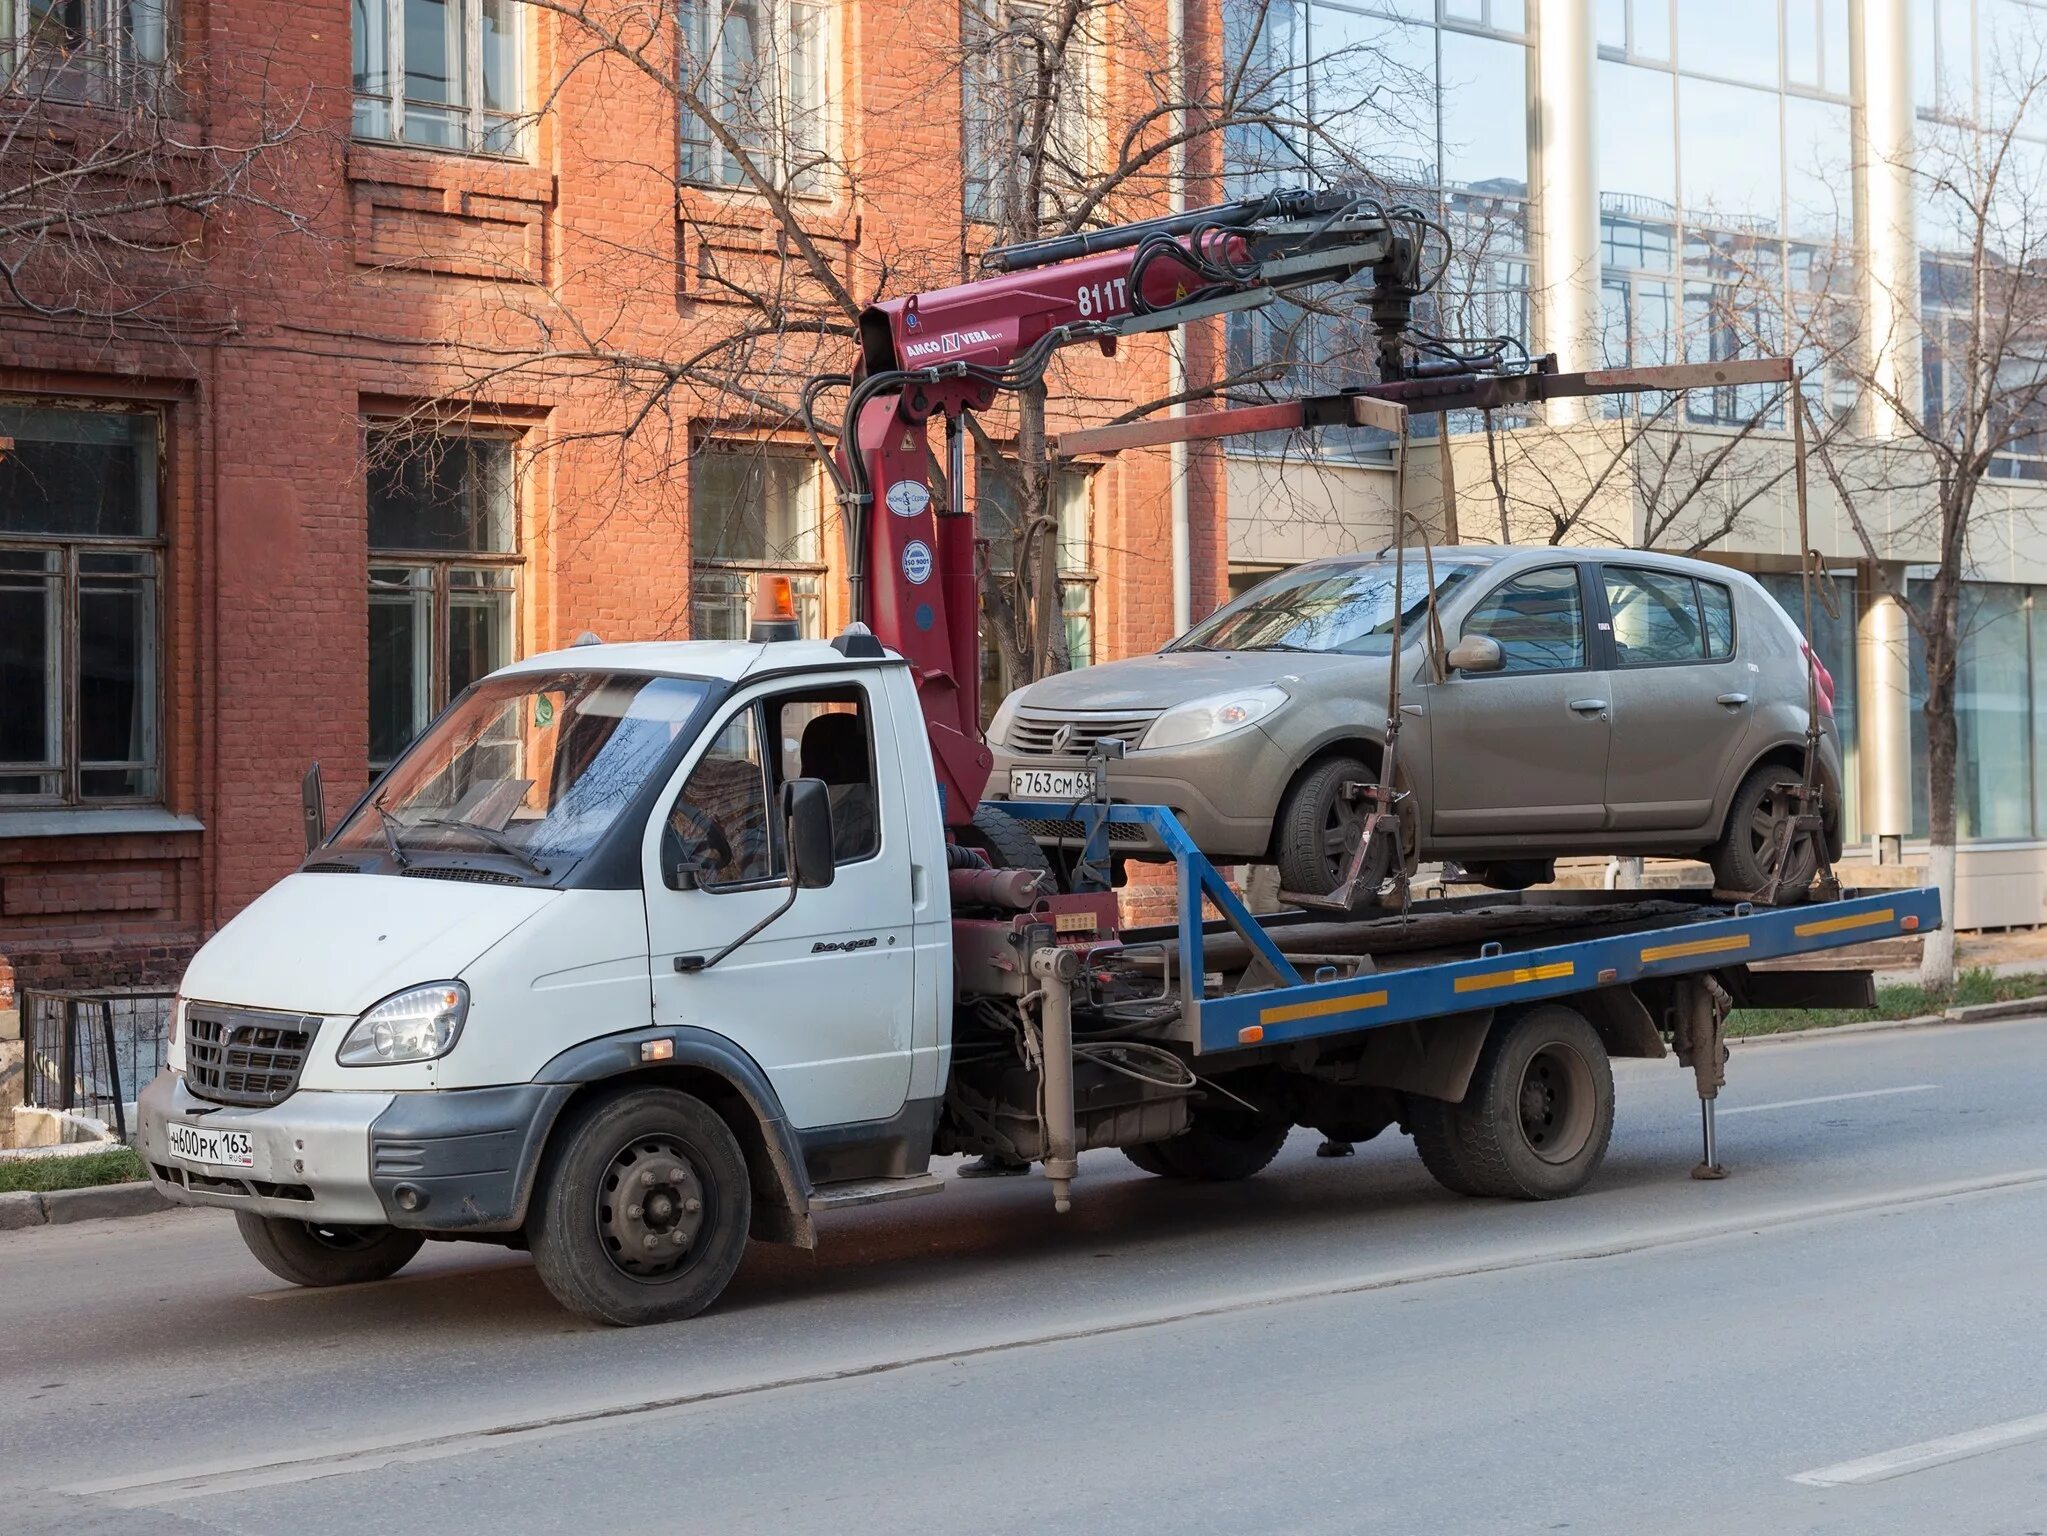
{"x":1644,"y":966}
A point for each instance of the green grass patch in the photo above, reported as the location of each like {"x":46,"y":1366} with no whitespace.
{"x":118,"y":1165}
{"x":1898,"y":1000}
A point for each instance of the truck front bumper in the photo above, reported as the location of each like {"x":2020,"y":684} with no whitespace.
{"x":442,"y":1162}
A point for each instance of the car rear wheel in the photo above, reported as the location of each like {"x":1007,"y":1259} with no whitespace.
{"x":1318,"y":828}
{"x":1741,"y":859}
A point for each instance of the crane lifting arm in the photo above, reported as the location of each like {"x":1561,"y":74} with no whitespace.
{"x":955,"y":350}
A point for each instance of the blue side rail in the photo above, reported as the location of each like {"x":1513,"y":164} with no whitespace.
{"x":1293,"y":1008}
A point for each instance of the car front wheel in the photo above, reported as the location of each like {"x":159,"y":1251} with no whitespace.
{"x":1318,"y":829}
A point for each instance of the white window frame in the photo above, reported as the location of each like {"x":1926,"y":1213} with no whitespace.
{"x":105,"y":68}
{"x":795,"y":146}
{"x":482,"y":124}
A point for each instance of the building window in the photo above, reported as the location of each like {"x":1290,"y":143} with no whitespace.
{"x":85,"y":50}
{"x":80,"y":578}
{"x":758,"y":70}
{"x":441,"y":74}
{"x":753,"y":511}
{"x":444,"y":574}
{"x":1071,"y":505}
{"x":1010,"y":48}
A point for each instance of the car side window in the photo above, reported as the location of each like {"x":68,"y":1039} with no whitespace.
{"x":721,"y":816}
{"x":827,"y":734}
{"x":1655,"y":617}
{"x":1537,"y":619}
{"x":1717,"y":603}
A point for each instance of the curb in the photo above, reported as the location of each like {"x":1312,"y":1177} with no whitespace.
{"x":62,"y":1206}
{"x":1974,"y":1013}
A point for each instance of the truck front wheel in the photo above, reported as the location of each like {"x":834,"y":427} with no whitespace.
{"x":642,"y":1208}
{"x":312,"y":1253}
{"x":1217,"y":1149}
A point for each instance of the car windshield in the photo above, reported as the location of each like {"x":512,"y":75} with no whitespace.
{"x":533,"y":767}
{"x":1344,"y":610}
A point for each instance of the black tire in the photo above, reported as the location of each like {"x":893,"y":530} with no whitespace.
{"x":1537,"y":1117}
{"x":1146,"y":1156}
{"x":1221,"y":1149}
{"x":1428,"y":1121}
{"x":1739,"y":857}
{"x":1002,"y":837}
{"x":1513,"y":874}
{"x":652,"y":1260}
{"x":318,"y":1254}
{"x":1318,"y":827}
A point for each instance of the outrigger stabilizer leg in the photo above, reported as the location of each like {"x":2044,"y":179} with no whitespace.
{"x":1701,"y":1040}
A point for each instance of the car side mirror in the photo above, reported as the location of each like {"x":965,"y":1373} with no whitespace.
{"x":1477,"y":653}
{"x":807,"y":818}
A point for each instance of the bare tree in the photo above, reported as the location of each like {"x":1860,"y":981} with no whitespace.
{"x":1983,"y":401}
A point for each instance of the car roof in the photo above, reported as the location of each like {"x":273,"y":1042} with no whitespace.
{"x":1522,"y":555}
{"x":732,"y":661}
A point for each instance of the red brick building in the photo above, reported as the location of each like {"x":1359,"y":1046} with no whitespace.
{"x":220,"y":559}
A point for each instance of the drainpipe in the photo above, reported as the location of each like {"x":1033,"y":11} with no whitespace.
{"x":1176,"y":357}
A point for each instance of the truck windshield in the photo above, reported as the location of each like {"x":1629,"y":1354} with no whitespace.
{"x":533,"y":767}
{"x":1338,"y":609}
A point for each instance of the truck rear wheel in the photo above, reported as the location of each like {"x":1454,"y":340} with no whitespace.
{"x":1537,"y":1116}
{"x":1428,"y":1121}
{"x":313,"y":1253}
{"x":642,"y":1210}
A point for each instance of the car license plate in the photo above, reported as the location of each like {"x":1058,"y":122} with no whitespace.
{"x":1051,"y":783}
{"x":203,"y":1144}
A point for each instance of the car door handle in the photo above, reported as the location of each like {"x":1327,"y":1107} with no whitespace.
{"x":1589,"y":706}
{"x":1733,"y":700}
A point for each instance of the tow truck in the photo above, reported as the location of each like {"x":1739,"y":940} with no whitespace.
{"x":644,"y":950}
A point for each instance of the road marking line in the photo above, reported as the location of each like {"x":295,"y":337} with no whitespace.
{"x":1828,"y":1098}
{"x":156,"y":1487}
{"x":1927,"y":1453}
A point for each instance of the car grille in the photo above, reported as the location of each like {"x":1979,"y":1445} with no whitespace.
{"x":1036,"y":731}
{"x":242,"y":1056}
{"x":455,"y":872}
{"x":1076,"y":832}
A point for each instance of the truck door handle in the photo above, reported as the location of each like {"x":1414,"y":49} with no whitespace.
{"x":1589,"y":706}
{"x":1733,"y":700}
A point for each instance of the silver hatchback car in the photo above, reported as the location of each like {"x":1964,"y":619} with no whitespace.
{"x":1592,"y":702}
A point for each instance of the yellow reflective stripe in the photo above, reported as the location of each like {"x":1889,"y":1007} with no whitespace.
{"x":1721,"y":945}
{"x":1838,"y":924}
{"x":1515,"y":977}
{"x":1354,"y":1003}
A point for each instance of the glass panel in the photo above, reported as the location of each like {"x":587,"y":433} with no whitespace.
{"x":1372,"y":90}
{"x":1613,"y":24}
{"x":370,"y":38}
{"x":1731,"y":155}
{"x":77,"y":472}
{"x":441,"y":492}
{"x":1652,"y":29}
{"x":719,"y":603}
{"x":401,"y":658}
{"x":1994,"y":730}
{"x":31,"y":726}
{"x":826,"y":736}
{"x":1944,"y":66}
{"x":1736,"y":39}
{"x":1717,"y":603}
{"x":753,"y":505}
{"x":116,"y":685}
{"x":480,"y":623}
{"x":1834,"y":46}
{"x":433,"y":51}
{"x":504,"y":55}
{"x":147,"y":31}
{"x":1076,"y":603}
{"x":804,"y":91}
{"x":1817,"y":200}
{"x":1338,"y":607}
{"x":1801,"y":42}
{"x":1537,"y":620}
{"x":722,"y":813}
{"x":1637,"y":141}
{"x":1655,"y":617}
{"x":1485,"y":113}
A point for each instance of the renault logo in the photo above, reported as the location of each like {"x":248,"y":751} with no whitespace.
{"x":1063,"y":737}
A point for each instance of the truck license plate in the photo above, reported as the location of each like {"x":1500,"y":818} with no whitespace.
{"x":1051,"y":783}
{"x":202,"y":1144}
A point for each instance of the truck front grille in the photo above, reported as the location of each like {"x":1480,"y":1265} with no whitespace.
{"x":1037,"y":732}
{"x":243,"y":1056}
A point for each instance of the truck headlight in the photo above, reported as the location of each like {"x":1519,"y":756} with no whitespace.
{"x":1005,"y":713}
{"x":1205,"y":719}
{"x":417,"y":1024}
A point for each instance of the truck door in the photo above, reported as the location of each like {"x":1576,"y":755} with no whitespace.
{"x":1681,"y":699}
{"x":823,"y":997}
{"x":1523,"y":750}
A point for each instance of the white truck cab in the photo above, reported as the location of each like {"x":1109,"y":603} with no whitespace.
{"x":544,"y":899}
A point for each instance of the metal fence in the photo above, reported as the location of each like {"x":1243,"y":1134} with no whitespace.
{"x":94,"y":1050}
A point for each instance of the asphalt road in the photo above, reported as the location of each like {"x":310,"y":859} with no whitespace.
{"x":1846,"y":1336}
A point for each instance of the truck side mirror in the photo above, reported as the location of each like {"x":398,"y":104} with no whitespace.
{"x":807,"y":815}
{"x":1477,"y":653}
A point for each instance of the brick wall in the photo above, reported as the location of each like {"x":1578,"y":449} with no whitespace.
{"x":403,"y":264}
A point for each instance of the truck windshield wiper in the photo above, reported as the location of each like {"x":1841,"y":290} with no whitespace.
{"x":390,"y":824}
{"x":485,"y":835}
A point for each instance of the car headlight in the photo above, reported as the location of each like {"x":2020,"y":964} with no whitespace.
{"x":1005,"y":713}
{"x":417,"y":1024}
{"x":1206,"y":719}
